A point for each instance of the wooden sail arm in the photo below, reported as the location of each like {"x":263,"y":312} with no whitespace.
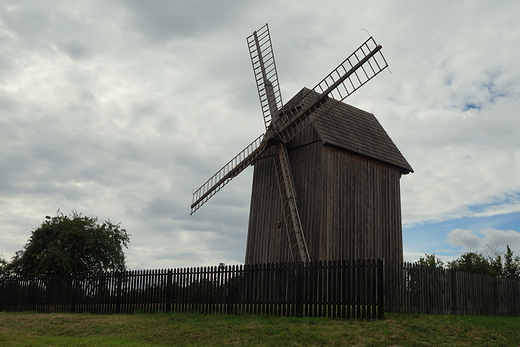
{"x":236,"y":165}
{"x":360,"y":67}
{"x":266,"y":77}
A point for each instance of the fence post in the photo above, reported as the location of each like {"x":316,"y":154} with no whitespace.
{"x":169,"y":289}
{"x":119,"y":290}
{"x":73,"y":293}
{"x":230,"y":270}
{"x":453,"y":291}
{"x":380,"y":290}
{"x":299,"y":289}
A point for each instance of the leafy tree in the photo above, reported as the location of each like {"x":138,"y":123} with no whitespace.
{"x":490,"y":262}
{"x":72,"y":243}
{"x":511,"y":265}
{"x":474,"y":262}
{"x":430,"y":260}
{"x":3,"y":266}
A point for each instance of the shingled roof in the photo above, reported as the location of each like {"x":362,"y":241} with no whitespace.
{"x":355,"y":130}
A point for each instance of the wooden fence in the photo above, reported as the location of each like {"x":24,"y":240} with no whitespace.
{"x":412,"y":288}
{"x":362,"y":288}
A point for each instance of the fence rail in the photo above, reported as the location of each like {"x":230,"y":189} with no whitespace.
{"x":361,"y":288}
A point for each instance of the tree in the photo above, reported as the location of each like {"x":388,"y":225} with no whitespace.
{"x":511,"y":265}
{"x":3,"y":266}
{"x":430,"y":260}
{"x":491,"y":263}
{"x":72,"y":243}
{"x":474,"y":262}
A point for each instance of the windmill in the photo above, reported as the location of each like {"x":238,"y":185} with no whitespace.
{"x":285,"y":125}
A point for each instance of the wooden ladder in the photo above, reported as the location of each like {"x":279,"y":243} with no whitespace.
{"x":293,"y":225}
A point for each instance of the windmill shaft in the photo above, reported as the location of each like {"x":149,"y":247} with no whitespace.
{"x":293,"y":225}
{"x":260,"y":58}
{"x":271,"y":100}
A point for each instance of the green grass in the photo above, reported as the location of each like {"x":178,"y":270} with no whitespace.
{"x":181,"y":329}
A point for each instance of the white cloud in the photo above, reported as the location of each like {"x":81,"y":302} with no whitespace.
{"x":472,"y":241}
{"x":464,"y":238}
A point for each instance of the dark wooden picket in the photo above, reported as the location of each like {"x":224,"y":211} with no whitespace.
{"x":350,"y":288}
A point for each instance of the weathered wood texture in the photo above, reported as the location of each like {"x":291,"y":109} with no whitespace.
{"x":285,"y":289}
{"x":359,"y":288}
{"x":349,"y":205}
{"x":412,"y":288}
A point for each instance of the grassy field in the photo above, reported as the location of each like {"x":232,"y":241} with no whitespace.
{"x":61,"y":329}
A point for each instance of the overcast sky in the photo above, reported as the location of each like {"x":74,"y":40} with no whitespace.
{"x":121,"y":109}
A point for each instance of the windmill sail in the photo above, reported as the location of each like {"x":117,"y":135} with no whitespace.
{"x":264,"y":68}
{"x":235,"y":166}
{"x":360,"y":67}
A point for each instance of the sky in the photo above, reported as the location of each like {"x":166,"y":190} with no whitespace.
{"x":121,"y":109}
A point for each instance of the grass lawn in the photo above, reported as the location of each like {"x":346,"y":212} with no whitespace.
{"x":182,"y":329}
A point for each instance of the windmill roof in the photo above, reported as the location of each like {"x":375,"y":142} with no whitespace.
{"x":353,"y":129}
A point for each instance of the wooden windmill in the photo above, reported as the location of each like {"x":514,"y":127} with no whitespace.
{"x":326,"y":178}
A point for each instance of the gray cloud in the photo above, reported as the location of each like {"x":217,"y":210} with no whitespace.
{"x":162,"y":20}
{"x":120,"y":109}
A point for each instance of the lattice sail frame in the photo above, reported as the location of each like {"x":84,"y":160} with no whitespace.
{"x":360,"y":67}
{"x":233,"y":167}
{"x":264,"y":69}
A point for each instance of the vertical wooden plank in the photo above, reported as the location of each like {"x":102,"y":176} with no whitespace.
{"x":157,"y":285}
{"x":365,"y":288}
{"x":343,"y":288}
{"x":119,"y":291}
{"x":136,"y":281}
{"x":213,"y":289}
{"x":299,"y":296}
{"x":380,"y":290}
{"x":175,"y":290}
{"x":136,"y":274}
{"x":169,"y":288}
{"x":348,"y":288}
{"x":182,"y":289}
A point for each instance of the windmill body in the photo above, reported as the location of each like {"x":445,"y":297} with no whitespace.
{"x":326,"y":179}
{"x":347,"y":174}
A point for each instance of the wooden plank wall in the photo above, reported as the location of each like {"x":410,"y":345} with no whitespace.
{"x":266,"y":238}
{"x":363,"y":217}
{"x":349,"y":205}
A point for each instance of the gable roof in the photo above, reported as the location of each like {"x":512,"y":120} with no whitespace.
{"x":355,"y":130}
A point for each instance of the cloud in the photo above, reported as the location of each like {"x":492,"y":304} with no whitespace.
{"x":166,"y":20}
{"x":469,"y":240}
{"x":120,"y":109}
{"x":498,"y":209}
